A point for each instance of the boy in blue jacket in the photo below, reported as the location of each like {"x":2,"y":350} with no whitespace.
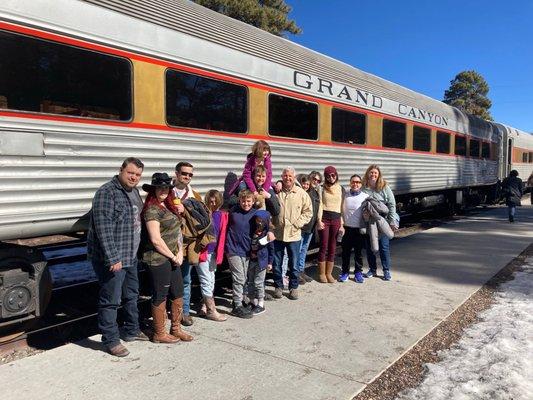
{"x":238,"y":246}
{"x":261,"y":257}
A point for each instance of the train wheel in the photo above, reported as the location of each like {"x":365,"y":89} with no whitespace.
{"x":25,"y":287}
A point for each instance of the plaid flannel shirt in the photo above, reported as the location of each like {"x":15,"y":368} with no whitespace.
{"x":111,"y":234}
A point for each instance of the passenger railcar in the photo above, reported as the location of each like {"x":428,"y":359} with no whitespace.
{"x":85,"y":84}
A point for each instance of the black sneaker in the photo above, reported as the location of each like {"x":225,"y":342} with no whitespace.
{"x":249,"y":306}
{"x":241,"y":312}
{"x":258,"y":310}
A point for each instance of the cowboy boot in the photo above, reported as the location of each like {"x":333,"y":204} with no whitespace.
{"x":176,"y":311}
{"x":159,"y":314}
{"x":203,"y":309}
{"x":322,"y":272}
{"x":329,"y":270}
{"x":212,"y":312}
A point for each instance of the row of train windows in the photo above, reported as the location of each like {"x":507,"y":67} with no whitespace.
{"x":394,"y":136}
{"x":47,"y":77}
{"x":527,"y":157}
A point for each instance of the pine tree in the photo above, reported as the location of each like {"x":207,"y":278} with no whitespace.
{"x":468,"y":92}
{"x":269,"y":15}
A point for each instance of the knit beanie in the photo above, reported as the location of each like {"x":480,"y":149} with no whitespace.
{"x":330,"y":170}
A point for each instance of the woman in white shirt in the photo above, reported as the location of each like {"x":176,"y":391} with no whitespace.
{"x":352,"y":238}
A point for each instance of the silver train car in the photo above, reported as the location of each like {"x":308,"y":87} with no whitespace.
{"x":85,"y":84}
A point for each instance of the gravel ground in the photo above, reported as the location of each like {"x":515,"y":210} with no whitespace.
{"x":17,"y":354}
{"x":408,"y":371}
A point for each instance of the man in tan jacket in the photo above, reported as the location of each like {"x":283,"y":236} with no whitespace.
{"x":295,"y":211}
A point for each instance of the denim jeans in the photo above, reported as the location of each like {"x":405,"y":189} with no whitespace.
{"x":186,"y":274}
{"x":114,"y":287}
{"x":511,"y":211}
{"x":304,"y":246}
{"x":293,"y":249}
{"x":206,"y":275}
{"x":384,"y":253}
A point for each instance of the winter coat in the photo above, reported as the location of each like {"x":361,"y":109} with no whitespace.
{"x":265,"y":253}
{"x":271,"y":204}
{"x":512,"y":190}
{"x":295,"y":212}
{"x":386,"y":196}
{"x":376,"y":225}
{"x":248,"y":174}
{"x":196,"y":228}
{"x":111,"y":235}
{"x":315,"y":203}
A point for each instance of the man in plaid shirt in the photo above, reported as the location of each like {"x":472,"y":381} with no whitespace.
{"x":112,"y":243}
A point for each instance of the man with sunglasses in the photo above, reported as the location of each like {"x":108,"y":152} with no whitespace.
{"x":183,"y":190}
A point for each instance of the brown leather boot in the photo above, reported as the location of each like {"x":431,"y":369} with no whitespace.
{"x":202,"y":312}
{"x":159,"y":314}
{"x":322,"y":272}
{"x":329,"y":270}
{"x":212,"y":312}
{"x":176,"y":311}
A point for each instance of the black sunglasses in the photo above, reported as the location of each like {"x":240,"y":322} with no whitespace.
{"x":189,"y":174}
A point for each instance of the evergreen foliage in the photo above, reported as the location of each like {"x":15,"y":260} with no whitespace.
{"x":468,"y":92}
{"x":269,"y":15}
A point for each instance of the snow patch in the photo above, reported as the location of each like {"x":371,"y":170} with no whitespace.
{"x":494,"y":358}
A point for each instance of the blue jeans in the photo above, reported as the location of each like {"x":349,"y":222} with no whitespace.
{"x":206,"y":275}
{"x":512,"y":211}
{"x":304,"y":245}
{"x":114,"y":287}
{"x":293,"y":249}
{"x":186,"y":274}
{"x":384,"y":254}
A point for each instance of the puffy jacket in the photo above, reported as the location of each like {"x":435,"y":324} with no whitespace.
{"x":376,"y":225}
{"x":512,"y":190}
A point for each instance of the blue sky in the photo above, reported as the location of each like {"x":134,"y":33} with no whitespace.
{"x":422,"y":45}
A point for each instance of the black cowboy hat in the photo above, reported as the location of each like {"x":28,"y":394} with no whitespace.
{"x":159,"y":180}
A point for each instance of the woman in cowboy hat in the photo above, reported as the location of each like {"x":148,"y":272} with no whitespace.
{"x":162,"y":252}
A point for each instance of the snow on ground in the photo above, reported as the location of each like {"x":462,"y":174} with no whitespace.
{"x":494,"y":358}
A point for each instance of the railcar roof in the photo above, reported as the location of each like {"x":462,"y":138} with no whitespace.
{"x":190,"y":18}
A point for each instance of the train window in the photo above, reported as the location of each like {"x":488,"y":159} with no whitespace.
{"x":194,"y":101}
{"x":53,"y":78}
{"x":531,"y":157}
{"x":443,"y":142}
{"x":460,"y":146}
{"x":292,"y":118}
{"x":393,"y":134}
{"x":485,"y":150}
{"x":524,"y":157}
{"x":421,"y":139}
{"x":348,"y":126}
{"x":474,"y":148}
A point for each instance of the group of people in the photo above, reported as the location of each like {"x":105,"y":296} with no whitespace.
{"x":257,"y":226}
